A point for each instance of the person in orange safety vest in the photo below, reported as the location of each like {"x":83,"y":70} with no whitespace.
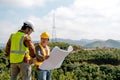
{"x":42,"y":53}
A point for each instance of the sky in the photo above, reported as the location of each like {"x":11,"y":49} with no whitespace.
{"x":74,"y":19}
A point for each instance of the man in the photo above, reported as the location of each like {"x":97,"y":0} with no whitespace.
{"x":20,"y":50}
{"x":42,"y":53}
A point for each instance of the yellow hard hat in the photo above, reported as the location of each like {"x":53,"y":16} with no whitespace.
{"x":45,"y":35}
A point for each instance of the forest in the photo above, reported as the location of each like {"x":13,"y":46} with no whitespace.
{"x":81,"y":64}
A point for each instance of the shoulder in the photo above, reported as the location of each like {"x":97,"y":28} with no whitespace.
{"x":27,"y":37}
{"x":37,"y":47}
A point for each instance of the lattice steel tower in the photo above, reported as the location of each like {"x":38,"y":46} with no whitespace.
{"x":54,"y":30}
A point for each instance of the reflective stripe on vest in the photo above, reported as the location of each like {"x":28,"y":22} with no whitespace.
{"x":18,"y":50}
{"x":44,"y":53}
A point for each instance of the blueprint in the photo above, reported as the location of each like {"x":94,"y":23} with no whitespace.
{"x":56,"y":58}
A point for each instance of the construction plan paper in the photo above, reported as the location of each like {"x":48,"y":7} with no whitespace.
{"x":56,"y":58}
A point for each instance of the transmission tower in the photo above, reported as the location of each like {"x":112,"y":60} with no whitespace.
{"x":54,"y":30}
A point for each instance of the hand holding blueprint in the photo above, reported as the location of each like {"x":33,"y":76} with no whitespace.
{"x":56,"y":58}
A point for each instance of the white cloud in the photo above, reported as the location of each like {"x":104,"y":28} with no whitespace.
{"x":41,"y":25}
{"x":6,"y":29}
{"x":89,"y":19}
{"x":24,"y":3}
{"x":96,"y":4}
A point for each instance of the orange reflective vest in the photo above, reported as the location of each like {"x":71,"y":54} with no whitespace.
{"x":46,"y":52}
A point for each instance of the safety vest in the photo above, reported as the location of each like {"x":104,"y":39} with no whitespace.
{"x":44,"y":53}
{"x":17,"y":50}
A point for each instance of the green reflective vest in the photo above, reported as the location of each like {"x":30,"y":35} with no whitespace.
{"x":17,"y":50}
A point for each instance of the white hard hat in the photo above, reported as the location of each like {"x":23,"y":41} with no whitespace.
{"x":30,"y":24}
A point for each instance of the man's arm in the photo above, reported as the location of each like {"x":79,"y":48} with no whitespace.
{"x":7,"y":48}
{"x":28,"y":43}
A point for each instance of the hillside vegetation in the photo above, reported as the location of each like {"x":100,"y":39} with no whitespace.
{"x":81,"y":64}
{"x":108,"y":43}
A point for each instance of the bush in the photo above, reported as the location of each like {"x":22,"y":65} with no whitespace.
{"x":100,"y":64}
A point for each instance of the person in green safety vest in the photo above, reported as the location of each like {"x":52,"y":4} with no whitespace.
{"x":20,"y":50}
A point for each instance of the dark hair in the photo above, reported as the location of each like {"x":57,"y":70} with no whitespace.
{"x":25,"y":26}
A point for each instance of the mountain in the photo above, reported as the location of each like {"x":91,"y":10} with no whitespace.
{"x":81,"y":42}
{"x":108,"y":43}
{"x":94,"y":44}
